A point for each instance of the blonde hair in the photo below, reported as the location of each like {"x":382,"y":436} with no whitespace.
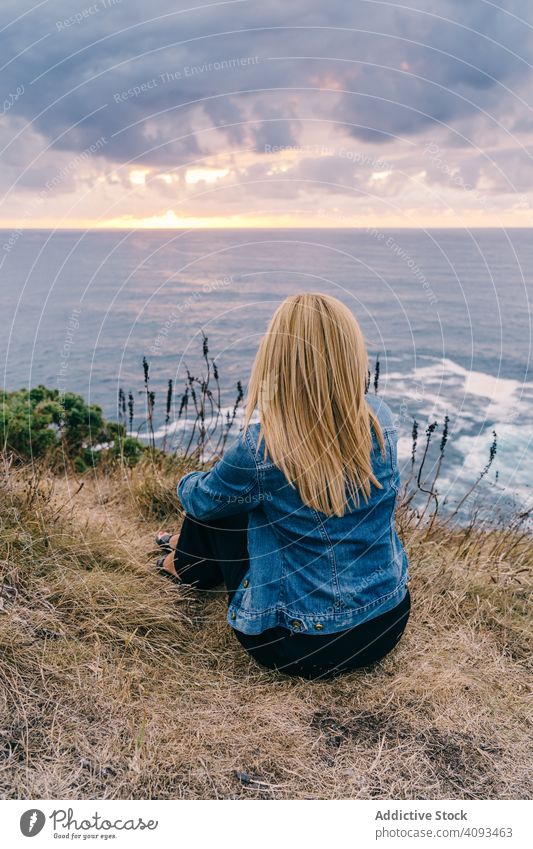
{"x":308,"y":382}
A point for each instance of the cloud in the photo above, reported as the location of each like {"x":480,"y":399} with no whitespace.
{"x":166,"y":84}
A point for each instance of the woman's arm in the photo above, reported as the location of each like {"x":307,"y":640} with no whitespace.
{"x":231,"y":486}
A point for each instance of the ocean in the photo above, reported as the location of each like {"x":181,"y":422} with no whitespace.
{"x":447,"y":313}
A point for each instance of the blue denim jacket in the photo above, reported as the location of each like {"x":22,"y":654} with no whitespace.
{"x":308,"y":572}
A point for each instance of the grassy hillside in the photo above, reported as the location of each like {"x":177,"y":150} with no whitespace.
{"x":117,"y":684}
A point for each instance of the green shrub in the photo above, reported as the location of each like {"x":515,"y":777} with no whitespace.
{"x":128,"y":449}
{"x":41,"y":421}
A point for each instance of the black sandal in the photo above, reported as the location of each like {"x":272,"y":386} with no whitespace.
{"x":163,"y":541}
{"x":159,"y":565}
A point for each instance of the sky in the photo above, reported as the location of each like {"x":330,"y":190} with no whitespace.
{"x":266,"y":113}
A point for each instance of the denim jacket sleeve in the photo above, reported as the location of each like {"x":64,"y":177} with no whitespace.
{"x":231,"y":486}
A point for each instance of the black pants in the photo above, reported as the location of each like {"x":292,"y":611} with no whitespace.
{"x":215,"y":552}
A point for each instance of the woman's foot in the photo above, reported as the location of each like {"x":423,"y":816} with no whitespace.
{"x":165,"y":566}
{"x":166,"y":540}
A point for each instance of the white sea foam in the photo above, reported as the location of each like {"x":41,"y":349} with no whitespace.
{"x":444,"y":384}
{"x":477,"y":404}
{"x":180,"y":427}
{"x":405,"y":446}
{"x":513,"y":452}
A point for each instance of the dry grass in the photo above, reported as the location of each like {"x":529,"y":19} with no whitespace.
{"x":116,"y":684}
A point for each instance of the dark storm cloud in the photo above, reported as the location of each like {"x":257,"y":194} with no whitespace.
{"x":435,"y":72}
{"x":154,"y":80}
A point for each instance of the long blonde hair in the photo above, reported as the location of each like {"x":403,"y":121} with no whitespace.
{"x":308,"y":383}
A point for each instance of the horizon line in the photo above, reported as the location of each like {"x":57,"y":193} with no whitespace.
{"x":108,"y":229}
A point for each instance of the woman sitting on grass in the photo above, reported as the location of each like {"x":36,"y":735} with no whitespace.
{"x":297,"y":518}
